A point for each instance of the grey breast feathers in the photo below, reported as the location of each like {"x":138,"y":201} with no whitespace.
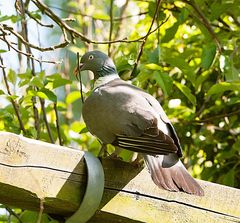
{"x":118,"y":113}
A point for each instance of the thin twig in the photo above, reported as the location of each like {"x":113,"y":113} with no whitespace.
{"x":40,"y":211}
{"x":30,"y":60}
{"x":205,"y":22}
{"x":42,"y":49}
{"x":146,"y":37}
{"x":28,"y":55}
{"x":37,"y":21}
{"x":121,"y":18}
{"x":74,"y":33}
{"x":11,"y":212}
{"x":42,"y":102}
{"x":111,"y":26}
{"x":216,"y":117}
{"x":57,"y":124}
{"x":115,"y":19}
{"x":15,"y":105}
{"x":119,"y":25}
{"x":80,"y":77}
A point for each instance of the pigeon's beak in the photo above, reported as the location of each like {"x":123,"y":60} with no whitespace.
{"x":80,"y":66}
{"x":77,"y":70}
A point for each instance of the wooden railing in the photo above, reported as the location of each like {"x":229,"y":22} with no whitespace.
{"x":34,"y":172}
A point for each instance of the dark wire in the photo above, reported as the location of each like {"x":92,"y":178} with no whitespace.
{"x":80,"y":77}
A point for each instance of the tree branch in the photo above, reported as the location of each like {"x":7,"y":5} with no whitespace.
{"x":25,"y":42}
{"x":216,"y":117}
{"x":120,"y":22}
{"x":28,"y":55}
{"x":42,"y":102}
{"x":74,"y":33}
{"x":111,"y":27}
{"x":205,"y":22}
{"x":146,"y":37}
{"x":11,"y":212}
{"x":14,"y":104}
{"x":37,"y":21}
{"x":57,"y":124}
{"x":115,"y":19}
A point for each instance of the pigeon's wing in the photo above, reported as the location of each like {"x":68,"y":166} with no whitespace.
{"x":165,"y":122}
{"x":116,"y":113}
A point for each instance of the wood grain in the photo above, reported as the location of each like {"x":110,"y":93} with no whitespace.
{"x":32,"y":170}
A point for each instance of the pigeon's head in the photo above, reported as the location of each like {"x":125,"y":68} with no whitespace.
{"x":97,"y":62}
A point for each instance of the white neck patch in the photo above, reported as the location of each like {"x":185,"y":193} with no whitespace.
{"x":105,"y":79}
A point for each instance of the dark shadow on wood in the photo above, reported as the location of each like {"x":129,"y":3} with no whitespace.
{"x":115,"y":178}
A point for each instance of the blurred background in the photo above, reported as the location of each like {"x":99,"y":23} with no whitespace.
{"x":186,"y":54}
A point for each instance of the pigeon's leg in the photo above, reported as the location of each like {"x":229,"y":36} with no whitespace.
{"x":137,"y":160}
{"x":115,"y":154}
{"x":103,"y":151}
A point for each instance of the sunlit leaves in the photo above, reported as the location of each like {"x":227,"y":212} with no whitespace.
{"x":32,"y":217}
{"x":187,"y":92}
{"x":170,"y":33}
{"x":12,"y":76}
{"x":73,"y":96}
{"x":208,"y":55}
{"x":57,"y":80}
{"x":45,"y":93}
{"x":37,"y":82}
{"x":224,"y":86}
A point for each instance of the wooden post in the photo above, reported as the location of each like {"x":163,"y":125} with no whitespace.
{"x":32,"y":171}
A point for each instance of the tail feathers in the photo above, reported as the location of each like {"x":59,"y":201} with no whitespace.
{"x":168,"y":172}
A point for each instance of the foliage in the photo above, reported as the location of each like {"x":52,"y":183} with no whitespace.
{"x":190,"y":64}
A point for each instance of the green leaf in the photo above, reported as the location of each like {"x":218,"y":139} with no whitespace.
{"x":232,"y":74}
{"x":154,"y":55}
{"x":178,"y":62}
{"x":32,"y":217}
{"x":153,"y":66}
{"x":208,"y":55}
{"x":12,"y":76}
{"x":200,"y":79}
{"x":170,"y":33}
{"x":36,"y":15}
{"x":186,"y":91}
{"x":84,"y":130}
{"x":3,"y":51}
{"x":10,"y":97}
{"x":73,"y":96}
{"x":229,"y":178}
{"x":164,"y":81}
{"x":22,"y":83}
{"x":57,"y":80}
{"x":2,"y":92}
{"x":217,"y":8}
{"x":47,"y":94}
{"x":26,"y":75}
{"x":101,"y":16}
{"x":60,"y":82}
{"x":152,"y":9}
{"x":37,"y":82}
{"x":78,"y":126}
{"x":15,"y":18}
{"x":4,"y":18}
{"x":224,"y":86}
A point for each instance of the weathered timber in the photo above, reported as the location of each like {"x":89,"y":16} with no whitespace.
{"x":32,"y":170}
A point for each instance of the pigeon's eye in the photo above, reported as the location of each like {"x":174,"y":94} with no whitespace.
{"x":90,"y":57}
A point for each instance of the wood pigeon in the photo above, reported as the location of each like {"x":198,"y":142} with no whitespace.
{"x":125,"y":116}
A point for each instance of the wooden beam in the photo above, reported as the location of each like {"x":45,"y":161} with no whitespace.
{"x":32,"y":171}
